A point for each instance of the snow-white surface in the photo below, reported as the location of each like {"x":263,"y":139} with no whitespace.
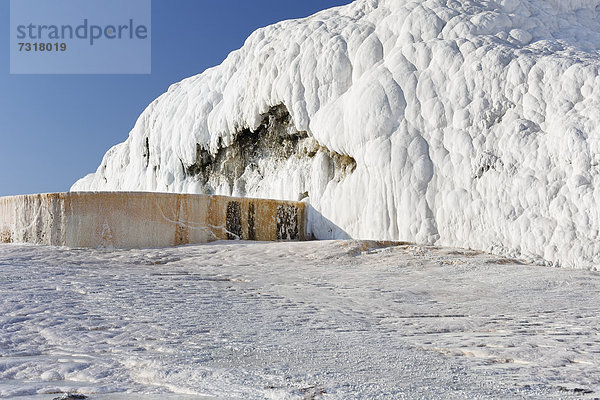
{"x":332,"y":320}
{"x":473,"y":123}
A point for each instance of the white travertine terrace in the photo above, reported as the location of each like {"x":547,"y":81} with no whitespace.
{"x":472,"y":124}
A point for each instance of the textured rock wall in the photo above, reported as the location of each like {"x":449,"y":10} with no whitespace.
{"x":138,"y":220}
{"x":458,"y":123}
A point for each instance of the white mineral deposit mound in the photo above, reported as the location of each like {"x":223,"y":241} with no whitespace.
{"x":449,"y":122}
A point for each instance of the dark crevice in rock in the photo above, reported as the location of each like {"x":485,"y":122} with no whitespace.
{"x":287,"y":222}
{"x":146,"y":153}
{"x":234,"y":220}
{"x":276,"y":139}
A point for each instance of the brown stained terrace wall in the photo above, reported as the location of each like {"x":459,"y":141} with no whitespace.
{"x":140,"y":220}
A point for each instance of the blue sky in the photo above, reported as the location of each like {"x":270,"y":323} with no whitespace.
{"x":55,"y":129}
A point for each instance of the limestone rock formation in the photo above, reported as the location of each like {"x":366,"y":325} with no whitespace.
{"x":466,"y":123}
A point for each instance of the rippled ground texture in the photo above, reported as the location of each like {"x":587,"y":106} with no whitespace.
{"x":338,"y":319}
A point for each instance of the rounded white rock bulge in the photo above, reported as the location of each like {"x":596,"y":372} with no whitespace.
{"x":461,"y":123}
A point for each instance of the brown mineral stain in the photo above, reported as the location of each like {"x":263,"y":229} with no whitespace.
{"x":143,"y":219}
{"x":182,"y":232}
